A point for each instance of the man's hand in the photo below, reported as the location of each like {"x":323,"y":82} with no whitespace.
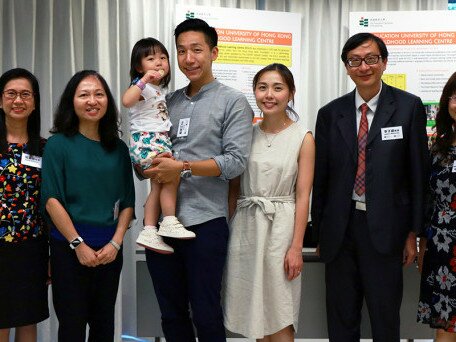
{"x":423,"y":243}
{"x":164,"y":169}
{"x":151,"y":172}
{"x":410,"y":249}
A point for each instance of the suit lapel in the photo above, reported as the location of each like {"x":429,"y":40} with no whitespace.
{"x":385,"y":109}
{"x":346,"y":123}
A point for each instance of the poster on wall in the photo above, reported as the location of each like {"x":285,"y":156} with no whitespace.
{"x":422,"y":50}
{"x":246,"y":46}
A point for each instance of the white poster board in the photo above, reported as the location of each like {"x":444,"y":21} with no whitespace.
{"x":248,"y":41}
{"x":422,"y":50}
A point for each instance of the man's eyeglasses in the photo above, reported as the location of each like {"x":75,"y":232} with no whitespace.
{"x":13,"y":94}
{"x":452,"y":98}
{"x":369,"y":60}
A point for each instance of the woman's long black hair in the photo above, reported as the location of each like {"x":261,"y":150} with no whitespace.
{"x":444,"y":123}
{"x":67,"y":122}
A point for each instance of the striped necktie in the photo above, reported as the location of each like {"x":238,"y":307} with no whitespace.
{"x":360,"y":180}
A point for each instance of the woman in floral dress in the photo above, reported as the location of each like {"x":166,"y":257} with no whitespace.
{"x":23,"y":235}
{"x":437,"y":260}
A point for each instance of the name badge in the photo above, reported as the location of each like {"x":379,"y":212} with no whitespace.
{"x":182,"y":129}
{"x":392,"y":133}
{"x":29,"y":160}
{"x":116,"y":210}
{"x":454,"y":167}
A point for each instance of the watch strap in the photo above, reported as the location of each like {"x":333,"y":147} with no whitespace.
{"x":186,"y":165}
{"x":76,"y":242}
{"x":186,"y":169}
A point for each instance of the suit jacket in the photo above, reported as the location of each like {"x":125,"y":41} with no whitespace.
{"x":396,"y":171}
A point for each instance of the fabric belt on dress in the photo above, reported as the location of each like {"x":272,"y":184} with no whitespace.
{"x":360,"y":205}
{"x":265,"y":203}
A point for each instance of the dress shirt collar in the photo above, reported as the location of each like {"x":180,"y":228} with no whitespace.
{"x":372,"y":104}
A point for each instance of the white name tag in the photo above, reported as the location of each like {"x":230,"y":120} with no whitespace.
{"x":182,"y":130}
{"x":454,"y":167}
{"x":116,"y":210}
{"x":392,"y":133}
{"x":29,"y":160}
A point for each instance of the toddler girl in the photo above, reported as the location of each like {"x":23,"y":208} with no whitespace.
{"x":149,"y":126}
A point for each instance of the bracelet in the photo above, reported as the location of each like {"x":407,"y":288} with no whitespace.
{"x":140,"y":84}
{"x":115,"y":244}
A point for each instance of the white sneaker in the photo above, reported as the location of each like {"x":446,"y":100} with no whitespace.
{"x":148,"y":238}
{"x":171,"y":227}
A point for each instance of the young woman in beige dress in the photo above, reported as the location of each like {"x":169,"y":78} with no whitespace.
{"x":263,"y":274}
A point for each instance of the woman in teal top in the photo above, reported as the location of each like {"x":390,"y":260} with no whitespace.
{"x":88,"y":196}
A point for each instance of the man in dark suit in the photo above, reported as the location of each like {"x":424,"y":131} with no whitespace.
{"x":368,"y":195}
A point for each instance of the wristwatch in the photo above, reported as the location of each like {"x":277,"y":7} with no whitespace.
{"x":76,"y":242}
{"x":186,"y":170}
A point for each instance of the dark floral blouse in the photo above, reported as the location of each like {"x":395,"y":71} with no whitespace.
{"x":20,"y":184}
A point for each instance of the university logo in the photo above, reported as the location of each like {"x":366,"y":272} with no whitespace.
{"x":190,"y":15}
{"x":364,"y":22}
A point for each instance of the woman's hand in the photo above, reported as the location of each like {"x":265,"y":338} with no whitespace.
{"x":293,"y":262}
{"x":106,"y":254}
{"x":86,"y":255}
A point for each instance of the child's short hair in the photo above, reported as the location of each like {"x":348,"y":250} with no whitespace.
{"x":143,"y":48}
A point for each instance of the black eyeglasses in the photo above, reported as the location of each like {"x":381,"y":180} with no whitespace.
{"x":13,"y":94}
{"x":369,"y":60}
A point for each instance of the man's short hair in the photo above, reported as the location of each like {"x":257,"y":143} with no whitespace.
{"x":198,"y":25}
{"x":358,"y":39}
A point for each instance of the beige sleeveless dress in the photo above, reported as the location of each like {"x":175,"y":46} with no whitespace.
{"x":258,"y":298}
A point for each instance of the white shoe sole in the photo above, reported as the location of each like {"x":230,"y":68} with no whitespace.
{"x":161,"y":251}
{"x":175,"y":236}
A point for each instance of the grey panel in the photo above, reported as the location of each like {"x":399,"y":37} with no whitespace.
{"x":312,"y":317}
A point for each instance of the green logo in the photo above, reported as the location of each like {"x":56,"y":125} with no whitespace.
{"x":364,"y":22}
{"x":190,"y":15}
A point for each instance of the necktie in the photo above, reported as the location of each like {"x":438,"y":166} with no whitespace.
{"x":360,"y":186}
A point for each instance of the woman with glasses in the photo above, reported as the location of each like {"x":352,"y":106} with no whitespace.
{"x":437,"y":257}
{"x":23,"y":238}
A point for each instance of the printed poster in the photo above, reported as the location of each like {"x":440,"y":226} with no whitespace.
{"x":246,"y":46}
{"x":422,"y":50}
